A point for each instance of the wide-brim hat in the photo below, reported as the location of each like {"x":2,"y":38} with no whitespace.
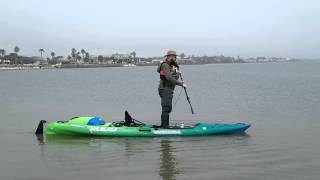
{"x":171,"y":53}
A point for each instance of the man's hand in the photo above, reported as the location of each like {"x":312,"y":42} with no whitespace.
{"x":184,"y":85}
{"x":176,"y":70}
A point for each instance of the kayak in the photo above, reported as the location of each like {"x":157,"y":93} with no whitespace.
{"x":95,"y":126}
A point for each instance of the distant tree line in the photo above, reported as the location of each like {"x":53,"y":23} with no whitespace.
{"x":116,"y":58}
{"x":216,"y":59}
{"x":83,"y":56}
{"x":191,"y":59}
{"x":13,"y":57}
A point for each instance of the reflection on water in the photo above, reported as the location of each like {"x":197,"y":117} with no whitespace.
{"x":41,"y":139}
{"x":141,"y":155}
{"x":160,"y":150}
{"x":168,"y":164}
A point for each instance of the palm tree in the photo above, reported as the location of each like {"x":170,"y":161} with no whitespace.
{"x":16,"y":50}
{"x":87,"y":57}
{"x":100,"y":58}
{"x":13,"y":58}
{"x":78,"y":57}
{"x":83,"y":52}
{"x":41,"y":51}
{"x":182,"y":55}
{"x":3,"y":53}
{"x":53,"y":54}
{"x":74,"y":54}
{"x":133,"y":54}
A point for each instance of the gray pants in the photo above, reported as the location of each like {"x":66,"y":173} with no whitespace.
{"x":166,"y":96}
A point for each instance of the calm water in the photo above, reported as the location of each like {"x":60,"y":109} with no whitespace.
{"x":281,"y":100}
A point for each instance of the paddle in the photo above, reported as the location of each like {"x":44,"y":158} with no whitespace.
{"x":185,"y":90}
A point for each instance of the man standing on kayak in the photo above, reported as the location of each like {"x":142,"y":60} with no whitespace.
{"x":169,"y":75}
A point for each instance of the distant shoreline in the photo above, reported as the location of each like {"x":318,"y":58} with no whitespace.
{"x":72,"y":66}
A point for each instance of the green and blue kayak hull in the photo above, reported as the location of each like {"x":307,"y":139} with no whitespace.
{"x":79,"y":127}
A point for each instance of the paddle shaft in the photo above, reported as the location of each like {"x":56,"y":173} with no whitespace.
{"x":188,"y":98}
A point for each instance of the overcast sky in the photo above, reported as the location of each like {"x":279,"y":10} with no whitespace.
{"x":287,"y":28}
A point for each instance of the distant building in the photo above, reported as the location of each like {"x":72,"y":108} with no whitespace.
{"x":155,"y":61}
{"x":5,"y":61}
{"x":185,"y":60}
{"x":121,"y":56}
